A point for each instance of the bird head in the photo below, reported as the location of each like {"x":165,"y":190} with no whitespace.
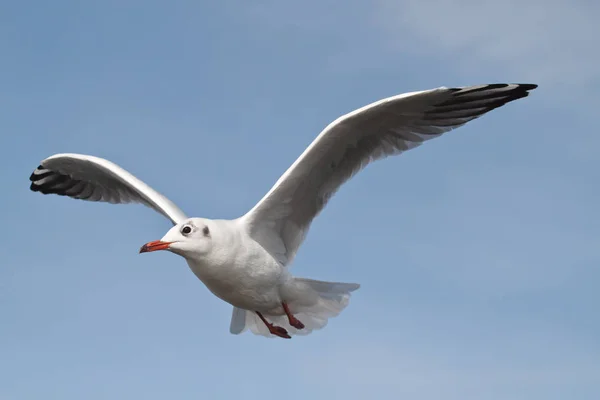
{"x":190,"y":239}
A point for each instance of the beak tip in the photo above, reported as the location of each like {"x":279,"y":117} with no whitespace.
{"x":144,"y":249}
{"x":153,"y":246}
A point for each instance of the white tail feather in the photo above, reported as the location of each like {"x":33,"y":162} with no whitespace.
{"x":333,"y":298}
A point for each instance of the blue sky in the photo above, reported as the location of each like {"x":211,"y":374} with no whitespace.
{"x":477,"y":252}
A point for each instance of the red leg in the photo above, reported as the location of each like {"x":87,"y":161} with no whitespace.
{"x":293,"y":320}
{"x":274,"y":329}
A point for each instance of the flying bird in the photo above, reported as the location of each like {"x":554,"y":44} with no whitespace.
{"x":245,"y":261}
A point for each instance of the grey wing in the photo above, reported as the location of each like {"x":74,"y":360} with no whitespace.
{"x":91,"y":178}
{"x":281,"y":219}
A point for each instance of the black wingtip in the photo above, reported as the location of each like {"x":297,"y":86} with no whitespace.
{"x":473,"y":101}
{"x":33,"y":176}
{"x":516,"y":88}
{"x":527,"y":86}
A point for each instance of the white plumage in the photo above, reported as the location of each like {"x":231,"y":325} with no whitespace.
{"x":245,"y":261}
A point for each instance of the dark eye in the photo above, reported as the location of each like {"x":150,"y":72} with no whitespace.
{"x":205,"y":231}
{"x":186,"y":230}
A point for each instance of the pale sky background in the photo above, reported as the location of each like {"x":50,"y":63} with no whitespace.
{"x":478,"y":253}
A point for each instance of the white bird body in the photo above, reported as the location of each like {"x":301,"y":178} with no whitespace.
{"x":245,"y":261}
{"x":239,"y":270}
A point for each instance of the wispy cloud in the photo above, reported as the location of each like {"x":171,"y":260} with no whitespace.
{"x":550,"y":42}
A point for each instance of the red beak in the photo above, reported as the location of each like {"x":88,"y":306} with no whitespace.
{"x":154,"y":246}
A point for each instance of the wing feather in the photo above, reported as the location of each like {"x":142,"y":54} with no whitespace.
{"x":281,"y":219}
{"x":91,"y":178}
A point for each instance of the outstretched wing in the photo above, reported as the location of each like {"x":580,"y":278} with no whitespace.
{"x":96,"y":179}
{"x":281,"y":219}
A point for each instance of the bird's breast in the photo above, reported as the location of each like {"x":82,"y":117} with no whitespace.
{"x":246,"y":282}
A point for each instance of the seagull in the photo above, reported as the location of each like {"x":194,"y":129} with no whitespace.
{"x":246,"y":261}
